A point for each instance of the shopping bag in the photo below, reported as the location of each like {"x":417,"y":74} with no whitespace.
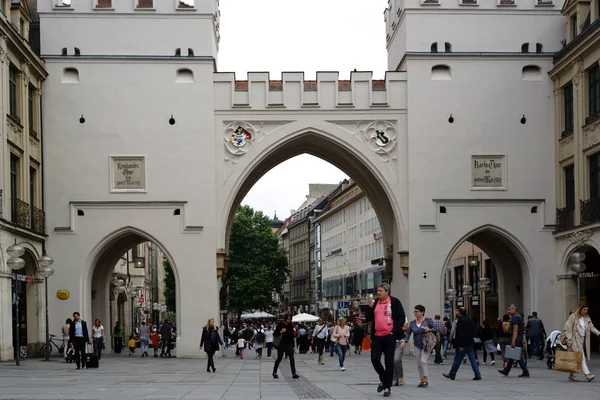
{"x":568,"y":361}
{"x":513,"y":353}
{"x":276,"y":341}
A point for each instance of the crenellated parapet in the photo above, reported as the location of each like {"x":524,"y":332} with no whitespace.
{"x":293,"y":92}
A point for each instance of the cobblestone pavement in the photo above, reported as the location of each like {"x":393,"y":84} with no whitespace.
{"x":122,"y":377}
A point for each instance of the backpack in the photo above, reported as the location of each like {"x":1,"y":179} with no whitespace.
{"x":260,"y":337}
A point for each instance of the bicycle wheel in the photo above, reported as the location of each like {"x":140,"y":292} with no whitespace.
{"x":45,"y":348}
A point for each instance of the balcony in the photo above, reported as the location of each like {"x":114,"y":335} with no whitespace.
{"x":590,"y":211}
{"x":565,"y":219}
{"x":38,"y":221}
{"x":20,"y":213}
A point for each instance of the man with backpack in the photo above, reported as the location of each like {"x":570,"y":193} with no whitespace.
{"x":259,"y":339}
{"x":320,"y":334}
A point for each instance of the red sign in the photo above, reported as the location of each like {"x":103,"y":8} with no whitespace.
{"x":142,"y":299}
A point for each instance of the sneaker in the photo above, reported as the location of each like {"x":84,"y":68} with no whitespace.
{"x":395,"y":383}
{"x":589,"y":377}
{"x":380,"y":388}
{"x":449,"y":376}
{"x":572,"y":378}
{"x":342,"y":368}
{"x":485,"y":363}
{"x":387,"y":393}
{"x":401,"y":382}
{"x":524,"y":375}
{"x":477,"y":378}
{"x":493,"y":363}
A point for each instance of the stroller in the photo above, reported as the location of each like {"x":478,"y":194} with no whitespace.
{"x":552,"y":344}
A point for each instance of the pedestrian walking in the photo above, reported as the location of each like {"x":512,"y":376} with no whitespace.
{"x":259,"y":341}
{"x":398,"y":378}
{"x":446,"y":338}
{"x":441,"y":329}
{"x":319,"y":335}
{"x":536,"y":334}
{"x":464,"y":344}
{"x":341,"y":336}
{"x":79,"y":335}
{"x":419,"y":328}
{"x":144,"y":338}
{"x":65,"y":334}
{"x":98,"y":338}
{"x":579,"y":328}
{"x":504,"y":336}
{"x":241,"y":345}
{"x":155,"y":340}
{"x":269,"y":339}
{"x":286,"y":345}
{"x":118,"y":337}
{"x":210,"y":341}
{"x":387,"y":315}
{"x":358,"y":334}
{"x":165,"y":338}
{"x":517,"y":327}
{"x":489,"y":347}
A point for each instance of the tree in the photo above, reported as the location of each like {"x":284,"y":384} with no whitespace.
{"x":257,"y":265}
{"x":169,"y":291}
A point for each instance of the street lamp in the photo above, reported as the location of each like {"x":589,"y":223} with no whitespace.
{"x":576,"y":265}
{"x":15,"y":262}
{"x":46,"y":271}
{"x":132,"y":293}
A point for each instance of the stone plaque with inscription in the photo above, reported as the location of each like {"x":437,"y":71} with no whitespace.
{"x":488,"y":172}
{"x":128,"y":173}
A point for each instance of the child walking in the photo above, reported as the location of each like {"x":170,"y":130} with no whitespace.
{"x":132,"y":344}
{"x":241,"y":344}
{"x":155,"y":340}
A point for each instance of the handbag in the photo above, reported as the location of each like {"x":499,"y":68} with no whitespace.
{"x":568,"y":361}
{"x":334,"y":339}
{"x":513,"y":353}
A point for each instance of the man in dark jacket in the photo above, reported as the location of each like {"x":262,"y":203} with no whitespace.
{"x":535,"y":334}
{"x":388,"y":317}
{"x":464,"y":344}
{"x":78,"y":332}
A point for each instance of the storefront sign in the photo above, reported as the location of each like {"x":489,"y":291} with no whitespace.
{"x":128,"y":173}
{"x":63,"y":294}
{"x":488,"y":172}
{"x":589,"y":274}
{"x":24,"y":278}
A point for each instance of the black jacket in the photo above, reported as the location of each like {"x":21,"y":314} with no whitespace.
{"x":465,"y":332}
{"x":84,"y":329}
{"x":287,"y":338}
{"x":210,"y":340}
{"x":398,"y":316}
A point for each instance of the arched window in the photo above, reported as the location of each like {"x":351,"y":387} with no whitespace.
{"x":525,"y":48}
{"x":70,"y":75}
{"x":532,"y":73}
{"x":539,"y":48}
{"x":184,"y":75}
{"x":434,"y":48}
{"x":448,"y":47}
{"x":441,"y":73}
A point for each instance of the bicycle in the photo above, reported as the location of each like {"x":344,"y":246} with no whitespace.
{"x":48,"y":346}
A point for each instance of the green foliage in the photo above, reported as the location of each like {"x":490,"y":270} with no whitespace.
{"x":169,"y":291}
{"x":257,"y":265}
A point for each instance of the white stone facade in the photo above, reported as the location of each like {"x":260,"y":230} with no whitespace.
{"x":194,"y":141}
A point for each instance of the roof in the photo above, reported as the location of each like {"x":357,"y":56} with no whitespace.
{"x":311,"y":85}
{"x":276,"y":222}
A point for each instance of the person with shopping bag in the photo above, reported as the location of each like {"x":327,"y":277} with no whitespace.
{"x":578,"y":330}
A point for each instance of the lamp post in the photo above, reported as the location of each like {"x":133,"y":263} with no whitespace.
{"x":131,"y":293}
{"x":576,"y":265}
{"x":46,"y":271}
{"x":451,"y":296}
{"x":15,"y":262}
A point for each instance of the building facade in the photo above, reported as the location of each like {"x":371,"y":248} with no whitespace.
{"x":22,"y":211}
{"x":352,"y":254}
{"x":451,"y":145}
{"x":576,"y":78}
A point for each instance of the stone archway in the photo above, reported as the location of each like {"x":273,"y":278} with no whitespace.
{"x":100,"y":273}
{"x":372,"y":174}
{"x":512,"y":266}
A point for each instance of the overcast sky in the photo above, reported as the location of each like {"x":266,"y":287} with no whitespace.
{"x":309,"y":36}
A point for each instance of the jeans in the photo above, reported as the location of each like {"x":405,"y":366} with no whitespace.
{"x":289,"y":351}
{"x":444,"y":345}
{"x":269,"y":348}
{"x":341,"y":351}
{"x":535,"y":346}
{"x":331,"y":348}
{"x":398,"y":370}
{"x":438,"y":354}
{"x":320,"y":345}
{"x":144,"y":345}
{"x":459,"y":355}
{"x":97,"y":343}
{"x":384,"y":345}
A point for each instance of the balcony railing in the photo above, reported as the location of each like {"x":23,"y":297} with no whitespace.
{"x":38,"y":220}
{"x":20,"y":213}
{"x":590,"y":211}
{"x":565,"y":219}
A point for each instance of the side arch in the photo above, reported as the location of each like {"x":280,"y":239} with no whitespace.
{"x":564,"y":262}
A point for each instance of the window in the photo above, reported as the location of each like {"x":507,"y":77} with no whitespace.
{"x":573,"y":26}
{"x":145,"y":4}
{"x":595,"y":176}
{"x":539,"y":48}
{"x":14,"y":186}
{"x":22,"y":27}
{"x":12,"y":92}
{"x":447,"y":47}
{"x":32,"y":188}
{"x":186,"y":4}
{"x":31,"y":110}
{"x":594,"y":90}
{"x":104,"y":4}
{"x":459,"y":280}
{"x":568,"y":106}
{"x":525,"y":48}
{"x":434,"y":47}
{"x":569,"y":172}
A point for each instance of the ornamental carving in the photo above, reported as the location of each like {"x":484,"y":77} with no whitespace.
{"x":591,"y":137}
{"x":34,"y":148}
{"x":15,"y":133}
{"x":239,"y":138}
{"x":580,"y":238}
{"x":381,"y":137}
{"x":566,"y":149}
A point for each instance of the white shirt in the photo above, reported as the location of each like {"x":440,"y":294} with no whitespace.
{"x":97,"y":331}
{"x":269,"y":335}
{"x":241,"y":343}
{"x":321,"y":334}
{"x":582,"y":325}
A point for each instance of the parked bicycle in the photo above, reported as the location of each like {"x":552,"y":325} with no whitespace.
{"x":54,"y":341}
